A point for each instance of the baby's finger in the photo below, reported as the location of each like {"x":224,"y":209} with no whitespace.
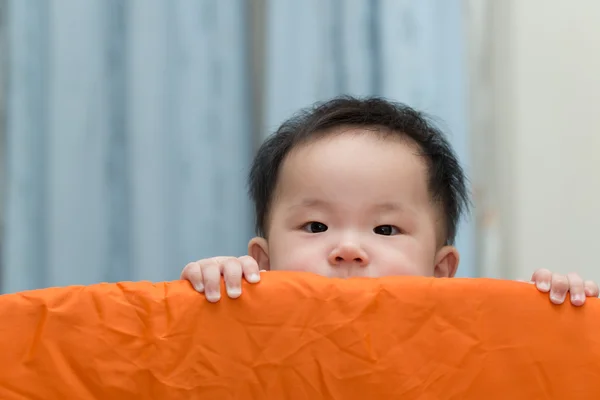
{"x":559,"y":288}
{"x":591,"y":289}
{"x":524,"y":281}
{"x":576,"y":289}
{"x":543,"y":279}
{"x":232,"y":273}
{"x":193,"y":273}
{"x":211,"y":272}
{"x":250,"y":269}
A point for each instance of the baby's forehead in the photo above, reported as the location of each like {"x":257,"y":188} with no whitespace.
{"x":356,"y":154}
{"x":361,"y":171}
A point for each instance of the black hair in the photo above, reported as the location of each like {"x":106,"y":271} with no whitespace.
{"x":447,"y":182}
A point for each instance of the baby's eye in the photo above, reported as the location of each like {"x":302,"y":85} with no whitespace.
{"x":386,"y":230}
{"x":315,"y":227}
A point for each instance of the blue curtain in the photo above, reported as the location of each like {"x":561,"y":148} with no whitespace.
{"x":411,"y":51}
{"x":129,"y":124}
{"x":128,"y":139}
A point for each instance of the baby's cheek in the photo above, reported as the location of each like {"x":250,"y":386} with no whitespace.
{"x":397,"y":269}
{"x":404,"y":264}
{"x":298,"y":261}
{"x":290,"y":254}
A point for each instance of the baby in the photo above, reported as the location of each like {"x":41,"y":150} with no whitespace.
{"x":357,"y":188}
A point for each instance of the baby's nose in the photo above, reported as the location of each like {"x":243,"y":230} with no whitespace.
{"x":348,"y":253}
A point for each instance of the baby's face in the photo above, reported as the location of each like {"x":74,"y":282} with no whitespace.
{"x":355,"y":205}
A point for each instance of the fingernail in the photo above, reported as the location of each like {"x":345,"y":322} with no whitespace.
{"x":577,"y":297}
{"x":213,"y":297}
{"x":234,"y":292}
{"x":199,"y":287}
{"x":253,"y":278}
{"x":543,"y":286}
{"x":557,"y":298}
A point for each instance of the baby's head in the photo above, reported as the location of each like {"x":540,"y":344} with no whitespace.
{"x":357,"y":187}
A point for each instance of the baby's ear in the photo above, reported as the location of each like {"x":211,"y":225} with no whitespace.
{"x":258,"y":248}
{"x":446,"y":262}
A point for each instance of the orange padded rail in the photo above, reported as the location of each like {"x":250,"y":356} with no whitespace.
{"x":299,"y":336}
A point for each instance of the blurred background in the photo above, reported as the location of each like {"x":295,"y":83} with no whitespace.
{"x":127,"y":126}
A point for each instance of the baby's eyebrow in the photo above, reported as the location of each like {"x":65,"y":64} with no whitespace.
{"x":394,"y":207}
{"x":389,"y":206}
{"x":386,"y":206}
{"x":311,"y":203}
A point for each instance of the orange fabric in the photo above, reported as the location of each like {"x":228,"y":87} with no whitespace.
{"x":299,"y":336}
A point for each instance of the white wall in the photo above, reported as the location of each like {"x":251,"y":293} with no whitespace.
{"x":536,"y":121}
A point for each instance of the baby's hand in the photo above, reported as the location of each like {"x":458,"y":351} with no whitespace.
{"x":205,"y":275}
{"x":559,"y":285}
